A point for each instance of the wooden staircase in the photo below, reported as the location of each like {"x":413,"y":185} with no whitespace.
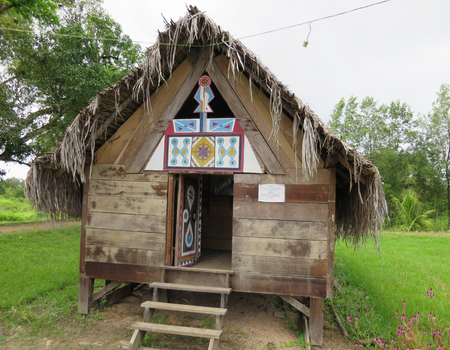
{"x":140,"y":328}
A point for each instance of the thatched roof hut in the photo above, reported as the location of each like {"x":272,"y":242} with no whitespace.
{"x":55,"y":180}
{"x":112,"y":169}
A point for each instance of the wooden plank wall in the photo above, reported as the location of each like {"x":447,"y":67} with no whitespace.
{"x":126,"y":220}
{"x":217,"y":216}
{"x":288,"y":242}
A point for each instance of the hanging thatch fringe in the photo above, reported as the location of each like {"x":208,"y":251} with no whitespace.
{"x":65,"y":196}
{"x":361,"y":208}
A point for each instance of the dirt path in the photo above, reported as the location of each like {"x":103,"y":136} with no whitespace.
{"x":37,"y":226}
{"x":253,"y":322}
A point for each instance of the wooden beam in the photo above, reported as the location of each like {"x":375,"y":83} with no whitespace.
{"x":86,"y":287}
{"x":295,"y":303}
{"x":331,"y":160}
{"x":106,"y":290}
{"x":306,"y":332}
{"x":170,"y":219}
{"x":331,"y":233}
{"x":241,"y":113}
{"x":143,"y":121}
{"x":260,"y":115}
{"x":169,"y":110}
{"x":316,"y":321}
{"x":84,"y":220}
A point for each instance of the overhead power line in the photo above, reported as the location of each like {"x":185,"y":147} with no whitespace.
{"x":241,"y":38}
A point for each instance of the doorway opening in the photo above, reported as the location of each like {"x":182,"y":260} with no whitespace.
{"x":214,"y":214}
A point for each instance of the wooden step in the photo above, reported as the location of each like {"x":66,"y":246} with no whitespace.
{"x":189,"y":288}
{"x":177,"y":330}
{"x":184,"y":308}
{"x":196,"y":269}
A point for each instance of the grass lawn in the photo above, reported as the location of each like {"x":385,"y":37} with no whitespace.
{"x":406,"y":269}
{"x":13,"y":210}
{"x":39,"y":274}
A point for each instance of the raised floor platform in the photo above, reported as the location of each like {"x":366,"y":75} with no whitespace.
{"x":214,"y":259}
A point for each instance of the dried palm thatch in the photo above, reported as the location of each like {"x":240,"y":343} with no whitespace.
{"x":361,"y":206}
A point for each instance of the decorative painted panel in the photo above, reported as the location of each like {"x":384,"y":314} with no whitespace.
{"x":190,"y":222}
{"x":221,"y":148}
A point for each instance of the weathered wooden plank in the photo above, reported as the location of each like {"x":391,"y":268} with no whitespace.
{"x":167,"y":108}
{"x":84,"y":219}
{"x":331,"y":233}
{"x":86,"y":287}
{"x":259,"y":115}
{"x":307,"y":230}
{"x":170,"y":218}
{"x":286,"y":127}
{"x":117,"y":172}
{"x":217,"y":232}
{"x":185,"y":308}
{"x":111,"y":149}
{"x":292,"y":177}
{"x":126,"y":239}
{"x":216,"y":243}
{"x":128,"y":205}
{"x":242,"y":115}
{"x":190,"y":276}
{"x":128,"y":189}
{"x":121,"y":272}
{"x":220,"y":211}
{"x":295,"y":303}
{"x":177,"y":330}
{"x":281,"y":211}
{"x":225,"y":223}
{"x":126,"y":222}
{"x":316,"y":321}
{"x":293,"y":193}
{"x":190,"y":288}
{"x":278,"y":285}
{"x":288,"y":248}
{"x":106,"y":289}
{"x":292,"y":266}
{"x":118,"y":255}
{"x":150,"y":113}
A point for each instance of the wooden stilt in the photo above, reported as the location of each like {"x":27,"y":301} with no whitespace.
{"x":85,"y":291}
{"x":136,"y":339}
{"x":316,"y":321}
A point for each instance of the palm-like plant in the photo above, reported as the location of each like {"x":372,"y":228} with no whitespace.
{"x":411,"y":212}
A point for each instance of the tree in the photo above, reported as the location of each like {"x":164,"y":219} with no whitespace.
{"x":43,"y":10}
{"x":383,"y":134}
{"x":50,"y":74}
{"x":437,"y":142}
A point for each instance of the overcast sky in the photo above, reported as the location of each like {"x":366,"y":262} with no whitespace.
{"x":397,"y":50}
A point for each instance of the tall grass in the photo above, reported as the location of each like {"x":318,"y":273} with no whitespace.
{"x":406,"y":269}
{"x":14,"y":210}
{"x":39,"y":274}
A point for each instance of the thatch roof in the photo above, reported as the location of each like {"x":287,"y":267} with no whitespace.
{"x":54,"y":183}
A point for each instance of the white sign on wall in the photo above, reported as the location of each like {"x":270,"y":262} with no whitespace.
{"x":271,"y":193}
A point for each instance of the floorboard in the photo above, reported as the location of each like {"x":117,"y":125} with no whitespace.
{"x":214,"y":259}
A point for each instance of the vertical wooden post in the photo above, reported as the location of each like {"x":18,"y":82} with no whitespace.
{"x":86,"y":285}
{"x":84,"y":218}
{"x":331,"y":241}
{"x":86,"y":288}
{"x":316,"y":321}
{"x":170,"y":218}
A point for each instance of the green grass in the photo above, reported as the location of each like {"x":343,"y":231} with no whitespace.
{"x":408,"y":266}
{"x":39,"y":275}
{"x":17,"y":210}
